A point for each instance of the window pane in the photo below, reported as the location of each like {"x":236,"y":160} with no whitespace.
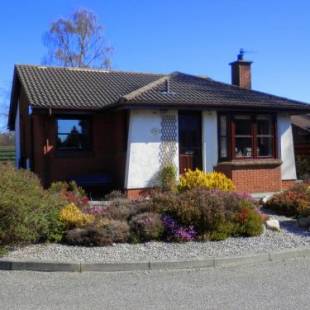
{"x":264,"y":125}
{"x":264,"y":147}
{"x":243,"y":124}
{"x":223,"y":126}
{"x":223,"y":142}
{"x":73,"y":134}
{"x":243,"y":147}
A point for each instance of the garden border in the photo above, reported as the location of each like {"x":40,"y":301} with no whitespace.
{"x":147,"y":266}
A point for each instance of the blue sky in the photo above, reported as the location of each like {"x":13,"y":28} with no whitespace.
{"x":197,"y":37}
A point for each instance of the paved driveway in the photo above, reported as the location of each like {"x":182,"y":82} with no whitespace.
{"x":269,"y":286}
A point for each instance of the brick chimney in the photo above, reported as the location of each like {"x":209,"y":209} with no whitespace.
{"x":241,"y":71}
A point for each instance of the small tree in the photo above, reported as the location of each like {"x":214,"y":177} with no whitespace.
{"x":77,"y":41}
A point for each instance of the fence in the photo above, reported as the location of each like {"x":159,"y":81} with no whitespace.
{"x":7,"y":153}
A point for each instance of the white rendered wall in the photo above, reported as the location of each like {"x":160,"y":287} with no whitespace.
{"x":286,"y":146}
{"x":209,"y":140}
{"x":143,"y":153}
{"x":17,"y":137}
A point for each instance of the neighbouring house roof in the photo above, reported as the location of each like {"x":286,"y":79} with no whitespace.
{"x":301,"y":121}
{"x":90,"y":89}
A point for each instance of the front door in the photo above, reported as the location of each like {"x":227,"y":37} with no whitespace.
{"x":190,"y":155}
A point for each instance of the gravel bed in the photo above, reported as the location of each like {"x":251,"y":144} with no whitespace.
{"x":291,"y":236}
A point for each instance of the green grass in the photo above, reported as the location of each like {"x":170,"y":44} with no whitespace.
{"x":7,"y":153}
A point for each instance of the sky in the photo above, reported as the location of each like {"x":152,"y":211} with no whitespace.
{"x":197,"y":37}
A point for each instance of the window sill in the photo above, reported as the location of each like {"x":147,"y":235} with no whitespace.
{"x":252,"y":162}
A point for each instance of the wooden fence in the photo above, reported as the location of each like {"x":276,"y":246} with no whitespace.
{"x":7,"y":153}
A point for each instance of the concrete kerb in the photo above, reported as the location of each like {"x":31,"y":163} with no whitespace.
{"x":146,"y":266}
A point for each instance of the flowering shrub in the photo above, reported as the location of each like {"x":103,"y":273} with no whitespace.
{"x":249,"y":223}
{"x":292,"y":202}
{"x":70,"y":192}
{"x":197,"y":178}
{"x":176,"y":232}
{"x":213,"y":214}
{"x":95,"y":211}
{"x":72,"y":216}
{"x":146,"y":226}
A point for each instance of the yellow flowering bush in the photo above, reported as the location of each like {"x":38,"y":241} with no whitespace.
{"x":212,"y":180}
{"x":72,"y":216}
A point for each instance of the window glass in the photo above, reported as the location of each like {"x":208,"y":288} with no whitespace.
{"x":264,"y":135}
{"x":73,"y":134}
{"x":264,"y":147}
{"x":243,"y":136}
{"x":264,"y":123}
{"x":243,"y":147}
{"x":223,"y":137}
{"x":243,"y":125}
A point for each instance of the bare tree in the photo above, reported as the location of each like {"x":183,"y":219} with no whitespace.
{"x":4,"y":108}
{"x":78,"y":41}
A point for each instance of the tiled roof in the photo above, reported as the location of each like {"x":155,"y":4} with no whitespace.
{"x":70,"y":88}
{"x":183,"y":89}
{"x":90,"y":89}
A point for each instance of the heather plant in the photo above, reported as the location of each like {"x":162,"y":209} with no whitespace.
{"x":175,"y":232}
{"x":212,"y":214}
{"x":71,"y":192}
{"x":115,"y":195}
{"x":119,"y":230}
{"x":88,"y":236}
{"x":146,"y":226}
{"x":248,"y":223}
{"x":212,"y":180}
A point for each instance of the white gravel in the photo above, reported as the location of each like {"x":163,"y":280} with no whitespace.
{"x":291,"y":236}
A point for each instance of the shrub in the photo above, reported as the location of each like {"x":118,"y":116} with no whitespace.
{"x":197,"y":178}
{"x":292,"y":202}
{"x":303,"y":167}
{"x":175,"y":232}
{"x":28,"y":213}
{"x":71,"y":192}
{"x":168,"y":177}
{"x":146,"y":226}
{"x":119,"y":230}
{"x":115,"y":195}
{"x":211,"y":213}
{"x":249,"y":223}
{"x":72,"y":216}
{"x":88,"y":236}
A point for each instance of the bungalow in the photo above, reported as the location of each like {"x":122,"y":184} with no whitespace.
{"x":122,"y":127}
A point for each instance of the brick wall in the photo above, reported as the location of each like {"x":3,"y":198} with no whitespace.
{"x":254,"y":178}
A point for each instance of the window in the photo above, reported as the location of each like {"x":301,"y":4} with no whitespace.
{"x":223,"y":137}
{"x":73,"y":134}
{"x":243,"y":136}
{"x":246,"y":136}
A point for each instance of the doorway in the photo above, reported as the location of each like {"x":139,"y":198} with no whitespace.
{"x":190,"y":152}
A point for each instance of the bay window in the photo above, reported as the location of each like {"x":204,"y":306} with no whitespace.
{"x":246,"y":136}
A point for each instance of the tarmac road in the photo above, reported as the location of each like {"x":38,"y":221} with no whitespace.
{"x":272,"y":285}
